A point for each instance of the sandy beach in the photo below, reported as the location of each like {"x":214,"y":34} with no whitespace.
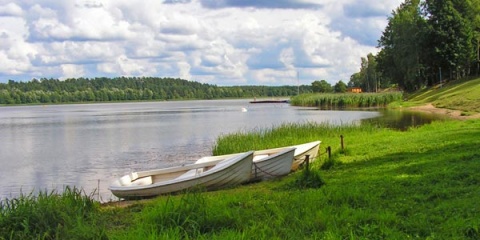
{"x":454,"y":114}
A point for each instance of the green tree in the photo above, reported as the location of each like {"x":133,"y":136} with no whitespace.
{"x":451,"y":37}
{"x":367,"y":78}
{"x":5,"y":97}
{"x":130,"y":88}
{"x":321,"y":86}
{"x":399,"y":60}
{"x":340,"y":87}
{"x":355,"y":80}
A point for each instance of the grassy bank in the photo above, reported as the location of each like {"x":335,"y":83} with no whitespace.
{"x":457,"y":95}
{"x":345,"y":100}
{"x":421,"y":183}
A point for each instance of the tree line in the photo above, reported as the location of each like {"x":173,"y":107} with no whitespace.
{"x":426,"y":42}
{"x":130,"y":89}
{"x":323,"y":86}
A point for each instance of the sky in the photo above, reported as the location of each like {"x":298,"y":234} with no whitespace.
{"x":221,"y":42}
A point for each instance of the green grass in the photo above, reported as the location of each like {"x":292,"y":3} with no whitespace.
{"x":458,"y":95}
{"x":50,"y":215}
{"x":421,"y":183}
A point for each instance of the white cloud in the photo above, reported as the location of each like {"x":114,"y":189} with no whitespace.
{"x":362,"y":20}
{"x":14,"y":51}
{"x":219,"y":42}
{"x":76,"y":23}
{"x":287,"y":57}
{"x":11,"y":9}
{"x":72,"y":71}
{"x":184,"y":70}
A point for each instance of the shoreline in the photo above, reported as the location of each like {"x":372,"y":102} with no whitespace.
{"x":450,"y":113}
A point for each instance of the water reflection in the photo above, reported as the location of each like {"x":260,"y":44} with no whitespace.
{"x":402,"y":120}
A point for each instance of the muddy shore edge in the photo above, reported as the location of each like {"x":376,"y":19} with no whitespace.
{"x":454,"y":114}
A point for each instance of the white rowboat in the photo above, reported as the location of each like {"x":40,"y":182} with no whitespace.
{"x":215,"y":174}
{"x":267,"y":164}
{"x":274,"y":165}
{"x":276,"y":162}
{"x":301,"y":151}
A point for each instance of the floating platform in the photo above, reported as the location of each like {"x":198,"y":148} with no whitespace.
{"x":270,"y":101}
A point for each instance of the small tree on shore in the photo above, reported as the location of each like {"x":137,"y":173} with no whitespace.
{"x":340,"y":87}
{"x":321,"y":86}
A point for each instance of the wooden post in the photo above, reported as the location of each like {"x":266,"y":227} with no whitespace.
{"x":478,"y":55}
{"x":341,"y":142}
{"x":98,"y":190}
{"x":440,"y":76}
{"x":329,"y":151}
{"x":307,"y":162}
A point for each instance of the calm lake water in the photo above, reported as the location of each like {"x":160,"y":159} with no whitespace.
{"x":88,"y":145}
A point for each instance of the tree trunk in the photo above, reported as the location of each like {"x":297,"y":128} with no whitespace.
{"x":478,"y":56}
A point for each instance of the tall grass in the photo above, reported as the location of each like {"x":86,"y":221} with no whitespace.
{"x":284,"y":135}
{"x":345,"y":100}
{"x":182,"y":217}
{"x":49,"y":215}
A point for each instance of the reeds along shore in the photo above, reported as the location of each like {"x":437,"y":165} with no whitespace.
{"x":345,"y":100}
{"x":71,"y":214}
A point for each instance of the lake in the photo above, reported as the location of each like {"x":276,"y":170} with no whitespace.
{"x":89,"y":145}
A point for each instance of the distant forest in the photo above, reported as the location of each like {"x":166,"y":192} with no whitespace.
{"x":130,"y":89}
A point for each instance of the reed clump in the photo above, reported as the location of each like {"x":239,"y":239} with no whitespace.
{"x":51,"y":215}
{"x":345,"y":100}
{"x":286,"y":134}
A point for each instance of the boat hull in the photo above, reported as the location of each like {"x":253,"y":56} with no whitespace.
{"x":210,"y":176}
{"x":301,"y":152}
{"x":304,"y":150}
{"x":273,"y":166}
{"x":299,"y":157}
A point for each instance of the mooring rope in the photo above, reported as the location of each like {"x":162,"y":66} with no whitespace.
{"x":275,"y":175}
{"x":322,"y":153}
{"x":261,"y":170}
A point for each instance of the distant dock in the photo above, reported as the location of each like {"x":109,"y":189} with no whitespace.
{"x":270,"y":101}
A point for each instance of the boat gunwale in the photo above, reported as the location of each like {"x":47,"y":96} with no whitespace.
{"x":184,"y":180}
